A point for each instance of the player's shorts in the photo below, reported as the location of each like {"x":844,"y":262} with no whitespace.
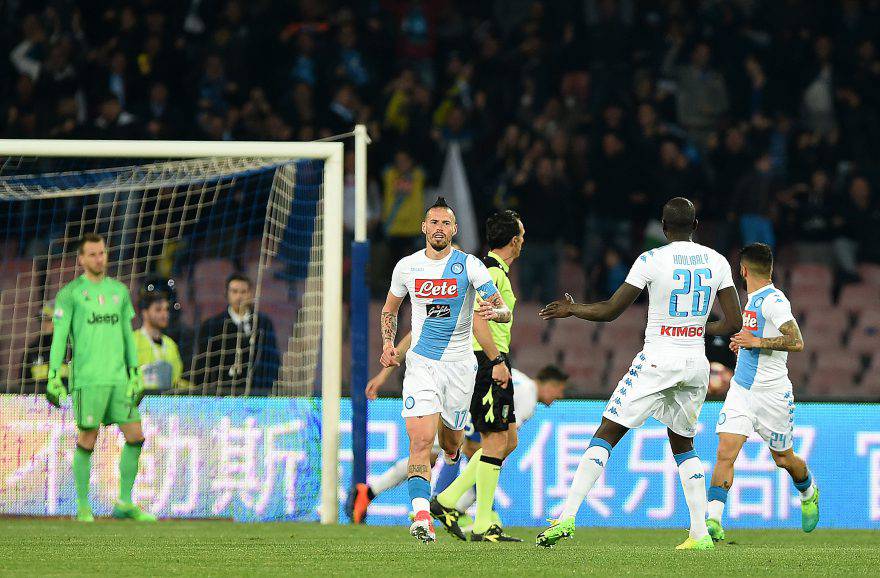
{"x":470,"y":432}
{"x":491,"y":404}
{"x":97,"y":405}
{"x":444,"y":387}
{"x":670,"y":388}
{"x":769,"y":412}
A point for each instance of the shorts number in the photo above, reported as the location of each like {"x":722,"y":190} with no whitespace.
{"x":460,"y":416}
{"x":702,"y":293}
{"x":778,"y":440}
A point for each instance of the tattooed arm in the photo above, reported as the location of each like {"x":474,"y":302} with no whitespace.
{"x":494,"y":309}
{"x":388,"y":327}
{"x":790,"y":340}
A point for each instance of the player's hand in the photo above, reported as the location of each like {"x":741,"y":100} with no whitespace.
{"x":486,"y":311}
{"x":389,"y":356}
{"x":733,"y":347}
{"x":136,"y":385}
{"x":373,"y":386}
{"x":56,"y":393}
{"x":501,"y":375}
{"x":746,"y":340}
{"x":557,"y":309}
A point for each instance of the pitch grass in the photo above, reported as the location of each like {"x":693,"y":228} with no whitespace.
{"x":108,"y":548}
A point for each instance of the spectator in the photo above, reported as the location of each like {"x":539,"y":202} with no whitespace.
{"x":113,"y":122}
{"x":237,"y":346}
{"x":403,"y":205}
{"x":701,"y":91}
{"x":158,"y":356}
{"x":812,"y":220}
{"x":161,"y":117}
{"x":755,"y":195}
{"x":35,"y":362}
{"x":856,"y":223}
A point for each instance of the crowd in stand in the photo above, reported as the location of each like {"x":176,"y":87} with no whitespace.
{"x":584,"y":116}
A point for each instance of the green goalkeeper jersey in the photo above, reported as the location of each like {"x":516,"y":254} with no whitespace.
{"x":97,"y":318}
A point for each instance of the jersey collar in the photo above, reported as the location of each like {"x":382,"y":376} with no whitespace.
{"x":504,"y":266}
{"x":761,"y":290}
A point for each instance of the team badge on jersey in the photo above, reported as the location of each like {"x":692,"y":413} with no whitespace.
{"x":116,"y":299}
{"x":101,"y":299}
{"x":59,"y":313}
{"x":86,"y":294}
{"x":457,"y":268}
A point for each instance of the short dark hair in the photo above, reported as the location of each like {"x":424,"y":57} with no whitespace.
{"x":551,"y":373}
{"x":88,"y":238}
{"x":440,"y":203}
{"x":679,"y":215}
{"x":147,"y":299}
{"x":238,"y":277}
{"x":501,"y":228}
{"x":758,"y":258}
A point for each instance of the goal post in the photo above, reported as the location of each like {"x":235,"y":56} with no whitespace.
{"x":332,"y":250}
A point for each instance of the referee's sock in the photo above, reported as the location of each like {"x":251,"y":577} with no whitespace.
{"x":82,"y":467}
{"x":448,"y":498}
{"x":488,"y":471}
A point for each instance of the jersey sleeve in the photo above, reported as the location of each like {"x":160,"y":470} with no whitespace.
{"x":642,"y":271}
{"x":479,"y":277}
{"x":777,"y":310}
{"x":398,"y":281}
{"x":725,"y":278}
{"x":61,"y":320}
{"x":498,"y":278}
{"x":127,"y":310}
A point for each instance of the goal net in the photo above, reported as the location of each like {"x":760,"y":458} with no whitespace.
{"x":225,"y":255}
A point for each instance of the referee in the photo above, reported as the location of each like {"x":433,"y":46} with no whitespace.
{"x":492,"y":410}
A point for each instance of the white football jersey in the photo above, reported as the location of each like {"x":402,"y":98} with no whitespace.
{"x":767,"y":309}
{"x":442,"y":292}
{"x":683,"y":279}
{"x":525,"y":396}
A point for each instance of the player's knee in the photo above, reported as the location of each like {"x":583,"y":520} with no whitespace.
{"x":782,"y":460}
{"x":419,"y":445}
{"x":726,"y":454}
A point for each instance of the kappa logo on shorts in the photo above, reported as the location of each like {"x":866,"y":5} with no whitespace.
{"x":437,"y":311}
{"x":410,"y":402}
{"x":436,"y":288}
{"x":750,"y":320}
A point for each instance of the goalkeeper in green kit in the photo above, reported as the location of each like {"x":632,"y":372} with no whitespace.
{"x":105,"y":382}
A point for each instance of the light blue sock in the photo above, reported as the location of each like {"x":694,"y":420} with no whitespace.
{"x":447,"y":474}
{"x":420,"y":493}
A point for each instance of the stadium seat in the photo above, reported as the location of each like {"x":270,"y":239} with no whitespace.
{"x":810,"y":275}
{"x":841,"y":360}
{"x":799,"y":368}
{"x":865,"y":337}
{"x":833,"y":322}
{"x":570,"y":333}
{"x":571,"y":279}
{"x":870,"y":274}
{"x":831,"y":383}
{"x":809,"y":299}
{"x":859,"y":297}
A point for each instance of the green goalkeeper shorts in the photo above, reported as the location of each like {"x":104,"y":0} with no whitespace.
{"x":97,"y":405}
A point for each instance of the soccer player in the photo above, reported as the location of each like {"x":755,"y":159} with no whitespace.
{"x":105,"y":383}
{"x":548,"y":386}
{"x":492,"y":405}
{"x":760,"y":398}
{"x":441,"y":366}
{"x":668,"y":379}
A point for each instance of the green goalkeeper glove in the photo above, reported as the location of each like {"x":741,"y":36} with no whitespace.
{"x":135,"y":385}
{"x":56,"y":393}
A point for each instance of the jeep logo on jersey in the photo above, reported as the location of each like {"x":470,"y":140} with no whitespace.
{"x":436,"y":288}
{"x":437,"y":311}
{"x":111,"y":318}
{"x":692,"y":331}
{"x":750,"y":320}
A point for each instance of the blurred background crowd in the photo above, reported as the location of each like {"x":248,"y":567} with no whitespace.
{"x":585,"y":116}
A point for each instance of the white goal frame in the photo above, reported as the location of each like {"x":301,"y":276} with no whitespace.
{"x":332,"y":155}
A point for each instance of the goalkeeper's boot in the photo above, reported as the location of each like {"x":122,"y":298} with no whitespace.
{"x":357,"y":503}
{"x":704,"y":543}
{"x":558,"y":530}
{"x":84,"y":514}
{"x":448,"y":517}
{"x":715,"y":530}
{"x":423,"y":528}
{"x":810,"y":511}
{"x":494,"y":534}
{"x":131,"y":512}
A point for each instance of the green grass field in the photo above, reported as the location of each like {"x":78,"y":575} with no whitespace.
{"x":46,"y":547}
